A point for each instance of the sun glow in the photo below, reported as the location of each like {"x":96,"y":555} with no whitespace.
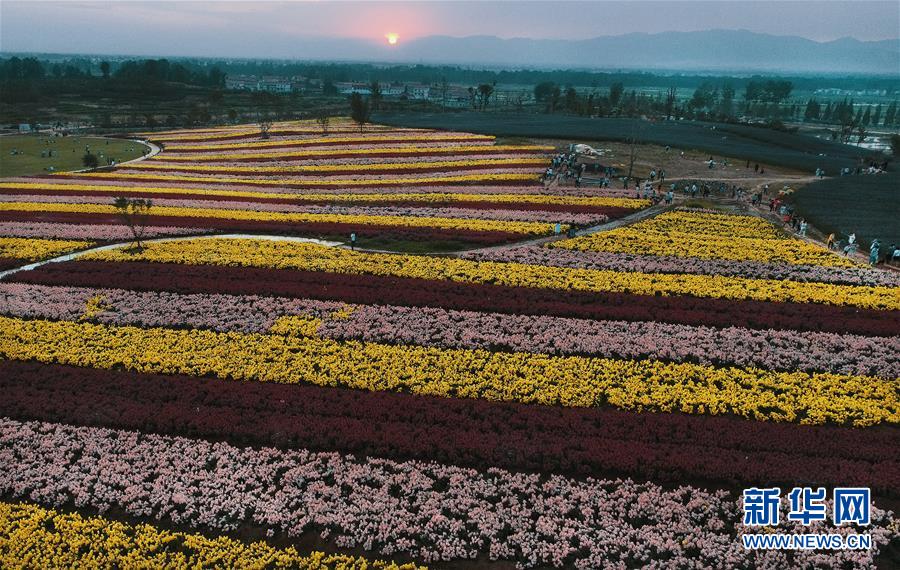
{"x":392,"y":38}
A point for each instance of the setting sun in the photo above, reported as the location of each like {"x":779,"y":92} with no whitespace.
{"x":392,"y":38}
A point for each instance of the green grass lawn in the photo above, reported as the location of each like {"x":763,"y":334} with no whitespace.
{"x":67,"y":152}
{"x":867,"y":205}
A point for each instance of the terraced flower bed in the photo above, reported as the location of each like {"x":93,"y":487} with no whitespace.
{"x":256,"y":401}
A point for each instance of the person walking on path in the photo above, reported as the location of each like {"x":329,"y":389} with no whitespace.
{"x":830,"y":241}
{"x":874,"y":250}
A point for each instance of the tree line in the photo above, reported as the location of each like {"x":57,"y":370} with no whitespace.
{"x":28,"y":79}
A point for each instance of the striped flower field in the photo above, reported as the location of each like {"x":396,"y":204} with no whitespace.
{"x":275,"y":399}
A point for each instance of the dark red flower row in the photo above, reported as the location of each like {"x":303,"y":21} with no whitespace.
{"x":324,"y":142}
{"x":187,"y":168}
{"x":661,"y":447}
{"x":307,"y":229}
{"x":336,"y":153}
{"x":374,"y":289}
{"x":255,"y":135}
{"x":610,"y":211}
{"x":311,"y":185}
{"x":10,"y":262}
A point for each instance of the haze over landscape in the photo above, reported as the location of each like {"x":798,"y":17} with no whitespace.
{"x":837,"y":37}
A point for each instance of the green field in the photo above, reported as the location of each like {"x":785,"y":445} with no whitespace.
{"x":21,"y":155}
{"x":757,"y":144}
{"x":868,"y":205}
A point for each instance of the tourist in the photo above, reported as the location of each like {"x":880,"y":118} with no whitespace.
{"x":803,"y":226}
{"x":830,"y":241}
{"x":874,"y":249}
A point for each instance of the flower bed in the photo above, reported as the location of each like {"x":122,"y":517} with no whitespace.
{"x":519,"y":377}
{"x":98,"y":232}
{"x":708,"y":236}
{"x":578,"y":441}
{"x":627,"y":262}
{"x":443,"y":328}
{"x":319,"y":183}
{"x":52,"y":539}
{"x":429,"y":510}
{"x":290,"y":218}
{"x":32,"y":249}
{"x":317,"y":258}
{"x":405,"y":291}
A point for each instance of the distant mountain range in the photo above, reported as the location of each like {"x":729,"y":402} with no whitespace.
{"x":713,"y":50}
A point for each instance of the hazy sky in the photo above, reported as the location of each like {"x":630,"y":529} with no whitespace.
{"x":269,"y":29}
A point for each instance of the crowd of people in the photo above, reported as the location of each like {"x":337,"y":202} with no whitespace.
{"x":565,"y":166}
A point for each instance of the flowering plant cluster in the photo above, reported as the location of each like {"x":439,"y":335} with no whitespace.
{"x":785,"y":350}
{"x":708,"y":236}
{"x":325,"y":182}
{"x":497,"y":376}
{"x":385,"y":138}
{"x":290,"y":218}
{"x":481,"y":211}
{"x":429,"y":510}
{"x":312,"y":257}
{"x":593,"y":402}
{"x":401,"y":167}
{"x":34,"y":249}
{"x":344,"y":151}
{"x":442,"y":293}
{"x":667,"y":448}
{"x":629,"y":262}
{"x":96,"y":232}
{"x":45,"y":538}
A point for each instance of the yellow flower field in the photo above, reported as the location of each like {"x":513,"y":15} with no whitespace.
{"x":310,"y":257}
{"x":461,"y":178}
{"x":361,"y":168}
{"x":523,"y":377}
{"x":34,"y":537}
{"x":434,"y":197}
{"x":359,"y":139}
{"x":525,"y":228}
{"x":708,"y":236}
{"x":35,"y":249}
{"x":406,"y":150}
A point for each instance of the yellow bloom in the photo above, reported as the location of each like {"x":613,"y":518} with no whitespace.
{"x":311,"y":257}
{"x":34,"y":537}
{"x":523,"y":377}
{"x":426,"y":197}
{"x":708,"y":236}
{"x":525,"y":228}
{"x":361,"y":168}
{"x":359,"y":139}
{"x":408,"y":150}
{"x":451,"y":179}
{"x":36,"y":249}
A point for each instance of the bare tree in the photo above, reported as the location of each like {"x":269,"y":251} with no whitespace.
{"x":633,"y":142}
{"x":375,"y":97}
{"x":444,"y":89}
{"x":134,"y":213}
{"x":670,"y":101}
{"x":322,"y":119}
{"x":265,"y":125}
